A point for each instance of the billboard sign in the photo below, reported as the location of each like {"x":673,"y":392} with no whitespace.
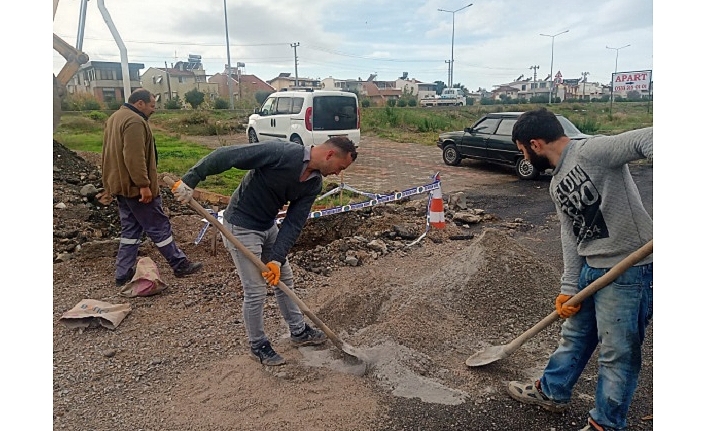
{"x":632,"y":81}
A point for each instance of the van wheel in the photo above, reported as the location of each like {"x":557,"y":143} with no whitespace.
{"x":297,"y":140}
{"x":451,"y":155}
{"x":525,"y":170}
{"x":252,"y":136}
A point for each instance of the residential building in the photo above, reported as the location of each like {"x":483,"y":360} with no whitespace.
{"x":505,"y":92}
{"x":244,"y":86}
{"x":167,"y":83}
{"x":287,"y":81}
{"x":104,"y":80}
{"x":353,"y":85}
{"x":379,"y":96}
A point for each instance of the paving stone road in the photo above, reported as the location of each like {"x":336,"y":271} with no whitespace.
{"x":385,"y":165}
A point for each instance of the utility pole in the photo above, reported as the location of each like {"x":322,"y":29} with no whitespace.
{"x":584,"y":74}
{"x":534,"y":79}
{"x":296,"y":61}
{"x":229,"y":77}
{"x":449,"y":74}
{"x":169,"y":84}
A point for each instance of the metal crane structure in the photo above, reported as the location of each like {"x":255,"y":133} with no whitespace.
{"x":75,"y":57}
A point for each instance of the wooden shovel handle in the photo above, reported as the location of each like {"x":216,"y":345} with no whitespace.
{"x":601,"y":282}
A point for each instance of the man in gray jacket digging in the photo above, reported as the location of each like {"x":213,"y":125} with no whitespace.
{"x":602,"y":221}
{"x":280,"y":173}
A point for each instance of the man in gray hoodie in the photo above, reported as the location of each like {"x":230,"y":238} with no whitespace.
{"x":602,"y":221}
{"x":280,"y":173}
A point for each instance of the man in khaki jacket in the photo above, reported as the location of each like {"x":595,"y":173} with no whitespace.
{"x":129,"y":164}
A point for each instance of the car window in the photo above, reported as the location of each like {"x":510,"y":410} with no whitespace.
{"x":284,"y":105}
{"x":505,"y":127}
{"x":335,"y":113}
{"x":268,"y":106}
{"x":297,"y":103}
{"x":569,"y":128}
{"x":487,"y":126}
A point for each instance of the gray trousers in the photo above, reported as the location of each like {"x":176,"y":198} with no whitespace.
{"x":254,"y":285}
{"x":136,"y":218}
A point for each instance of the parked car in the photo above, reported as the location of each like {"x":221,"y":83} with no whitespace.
{"x":490,"y":139}
{"x":307,"y":117}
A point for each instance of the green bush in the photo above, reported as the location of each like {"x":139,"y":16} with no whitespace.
{"x":589,"y":126}
{"x":365,"y":103}
{"x":391,"y":102}
{"x":97,"y":116}
{"x":81,"y":102}
{"x":401,"y":103}
{"x":221,"y":104}
{"x":412,"y":102}
{"x":113,"y":104}
{"x":195,"y":117}
{"x":174,"y":103}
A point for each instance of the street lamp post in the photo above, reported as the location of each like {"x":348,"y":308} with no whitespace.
{"x":230,"y":85}
{"x":551,"y":67}
{"x":612,"y":84}
{"x":453,"y":30}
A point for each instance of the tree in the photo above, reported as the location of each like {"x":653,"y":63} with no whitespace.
{"x":439,"y":87}
{"x":634,"y":95}
{"x":461,"y":86}
{"x":194,"y":98}
{"x":261,"y":95}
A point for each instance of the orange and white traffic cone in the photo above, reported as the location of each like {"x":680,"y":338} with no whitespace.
{"x":436,"y":209}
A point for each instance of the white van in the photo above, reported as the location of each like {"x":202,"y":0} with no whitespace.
{"x":307,"y":117}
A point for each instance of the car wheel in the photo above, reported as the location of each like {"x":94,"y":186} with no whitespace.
{"x":525,"y":170}
{"x":451,"y":155}
{"x":297,"y":140}
{"x":252,"y":136}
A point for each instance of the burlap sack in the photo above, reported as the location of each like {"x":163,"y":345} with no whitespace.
{"x":145,"y":282}
{"x":91,"y":313}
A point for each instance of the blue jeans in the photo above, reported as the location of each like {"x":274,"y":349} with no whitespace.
{"x":615,"y":318}
{"x":254,"y":285}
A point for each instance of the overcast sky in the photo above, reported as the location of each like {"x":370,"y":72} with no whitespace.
{"x":495,"y":41}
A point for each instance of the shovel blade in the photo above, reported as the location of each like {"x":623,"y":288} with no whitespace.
{"x":487,"y":356}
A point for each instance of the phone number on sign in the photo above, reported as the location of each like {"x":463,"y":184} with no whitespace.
{"x":631,"y":87}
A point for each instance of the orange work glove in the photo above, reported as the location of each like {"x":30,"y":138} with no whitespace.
{"x":565,"y":311}
{"x":272,"y":276}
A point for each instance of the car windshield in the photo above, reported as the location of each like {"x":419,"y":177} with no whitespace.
{"x":569,"y":127}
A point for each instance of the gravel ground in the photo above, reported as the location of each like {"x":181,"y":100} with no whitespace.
{"x":179,"y":359}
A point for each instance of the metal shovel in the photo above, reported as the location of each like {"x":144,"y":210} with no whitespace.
{"x":496,"y":353}
{"x":353,"y":353}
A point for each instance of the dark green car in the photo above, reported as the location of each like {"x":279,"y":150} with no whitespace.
{"x":490,"y":139}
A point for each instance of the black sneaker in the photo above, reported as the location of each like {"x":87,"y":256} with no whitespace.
{"x":120,"y":282}
{"x":308,"y":337}
{"x":266,"y":355}
{"x":187,"y":268}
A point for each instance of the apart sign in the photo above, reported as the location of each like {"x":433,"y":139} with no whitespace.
{"x":629,"y":81}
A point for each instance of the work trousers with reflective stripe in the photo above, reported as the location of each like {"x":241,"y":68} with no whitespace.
{"x":136,"y":218}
